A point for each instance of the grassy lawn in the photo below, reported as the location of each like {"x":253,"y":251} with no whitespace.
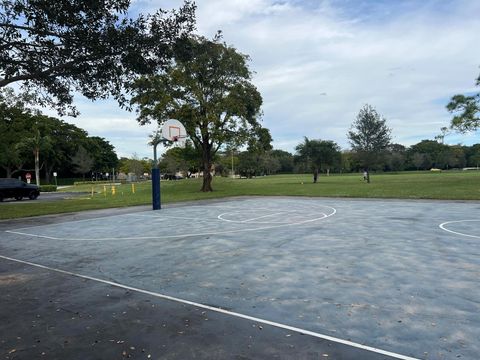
{"x":406,"y":185}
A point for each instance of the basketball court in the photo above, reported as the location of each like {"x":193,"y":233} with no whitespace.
{"x":245,"y":278}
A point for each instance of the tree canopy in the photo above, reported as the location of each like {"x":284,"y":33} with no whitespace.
{"x":82,"y":161}
{"x":208,"y":89}
{"x":318,"y":155}
{"x":54,"y":48}
{"x":467,"y":110}
{"x":369,"y":137}
{"x":15,"y":119}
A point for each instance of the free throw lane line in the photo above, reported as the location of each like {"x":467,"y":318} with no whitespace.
{"x":218,"y":310}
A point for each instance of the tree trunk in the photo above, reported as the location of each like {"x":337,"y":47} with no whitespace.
{"x":48,"y":171}
{"x":207,"y":179}
{"x":37,"y":166}
{"x":315,"y":175}
{"x":207,"y":167}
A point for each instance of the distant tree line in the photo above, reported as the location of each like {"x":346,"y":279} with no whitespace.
{"x":425,"y":155}
{"x":371,"y":150}
{"x":36,"y":143}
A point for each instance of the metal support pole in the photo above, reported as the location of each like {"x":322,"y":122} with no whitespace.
{"x":155,"y":180}
{"x":233,"y":173}
{"x":156,"y":189}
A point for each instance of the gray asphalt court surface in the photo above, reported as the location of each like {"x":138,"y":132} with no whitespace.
{"x":246,"y":278}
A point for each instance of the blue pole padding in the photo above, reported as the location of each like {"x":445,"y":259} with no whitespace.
{"x":156,"y":189}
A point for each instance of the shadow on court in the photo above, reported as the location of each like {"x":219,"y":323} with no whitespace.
{"x":53,"y":316}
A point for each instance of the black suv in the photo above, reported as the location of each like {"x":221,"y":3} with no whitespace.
{"x":13,"y":188}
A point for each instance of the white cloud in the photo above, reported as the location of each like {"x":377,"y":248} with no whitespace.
{"x":316,"y":64}
{"x":407,"y":67}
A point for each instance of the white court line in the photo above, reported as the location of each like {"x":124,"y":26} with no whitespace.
{"x":221,"y":217}
{"x":220,"y":310}
{"x":260,"y":217}
{"x":171,"y":236}
{"x":241,"y":211}
{"x":442,"y":226}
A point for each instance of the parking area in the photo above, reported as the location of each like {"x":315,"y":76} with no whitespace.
{"x":247,"y":278}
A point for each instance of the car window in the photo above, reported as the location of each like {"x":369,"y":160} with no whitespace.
{"x":11,"y":182}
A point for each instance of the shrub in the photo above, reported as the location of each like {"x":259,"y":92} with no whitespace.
{"x":48,"y":188}
{"x":91,"y":182}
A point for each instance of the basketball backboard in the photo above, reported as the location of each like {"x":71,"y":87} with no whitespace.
{"x":174,"y":131}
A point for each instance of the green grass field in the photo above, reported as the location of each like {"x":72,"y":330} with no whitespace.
{"x":406,"y":185}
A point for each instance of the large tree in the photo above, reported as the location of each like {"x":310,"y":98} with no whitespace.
{"x":135,"y":166}
{"x":103,"y":153}
{"x":208,"y":88}
{"x":16,"y":121}
{"x":247,"y":164}
{"x":318,"y":155}
{"x":466,"y":110}
{"x":259,"y":144}
{"x":257,"y":160}
{"x":395,"y":157}
{"x":434,"y":154}
{"x":473,"y":155}
{"x":54,"y":48}
{"x":285,"y":160}
{"x":82,"y":161}
{"x":64,"y":139}
{"x":369,"y":137}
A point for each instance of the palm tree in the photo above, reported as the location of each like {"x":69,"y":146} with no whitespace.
{"x":36,"y":144}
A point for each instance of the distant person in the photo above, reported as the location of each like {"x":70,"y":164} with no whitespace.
{"x":365,"y":175}
{"x":315,"y":176}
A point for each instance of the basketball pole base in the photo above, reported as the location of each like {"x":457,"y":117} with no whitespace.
{"x":156,"y":189}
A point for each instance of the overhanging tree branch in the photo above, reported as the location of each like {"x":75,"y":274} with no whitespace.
{"x":94,"y":47}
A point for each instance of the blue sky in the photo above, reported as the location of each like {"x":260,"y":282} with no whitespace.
{"x":317,"y":63}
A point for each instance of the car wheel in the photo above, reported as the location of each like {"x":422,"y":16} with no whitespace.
{"x":33,"y":195}
{"x":18,"y":198}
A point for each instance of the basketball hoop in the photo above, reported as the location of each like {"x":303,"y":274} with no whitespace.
{"x":174,"y":132}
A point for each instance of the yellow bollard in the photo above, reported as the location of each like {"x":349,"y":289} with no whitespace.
{"x":133,"y":188}
{"x":113,"y":190}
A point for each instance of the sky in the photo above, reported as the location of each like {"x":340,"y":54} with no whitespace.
{"x":317,"y":62}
